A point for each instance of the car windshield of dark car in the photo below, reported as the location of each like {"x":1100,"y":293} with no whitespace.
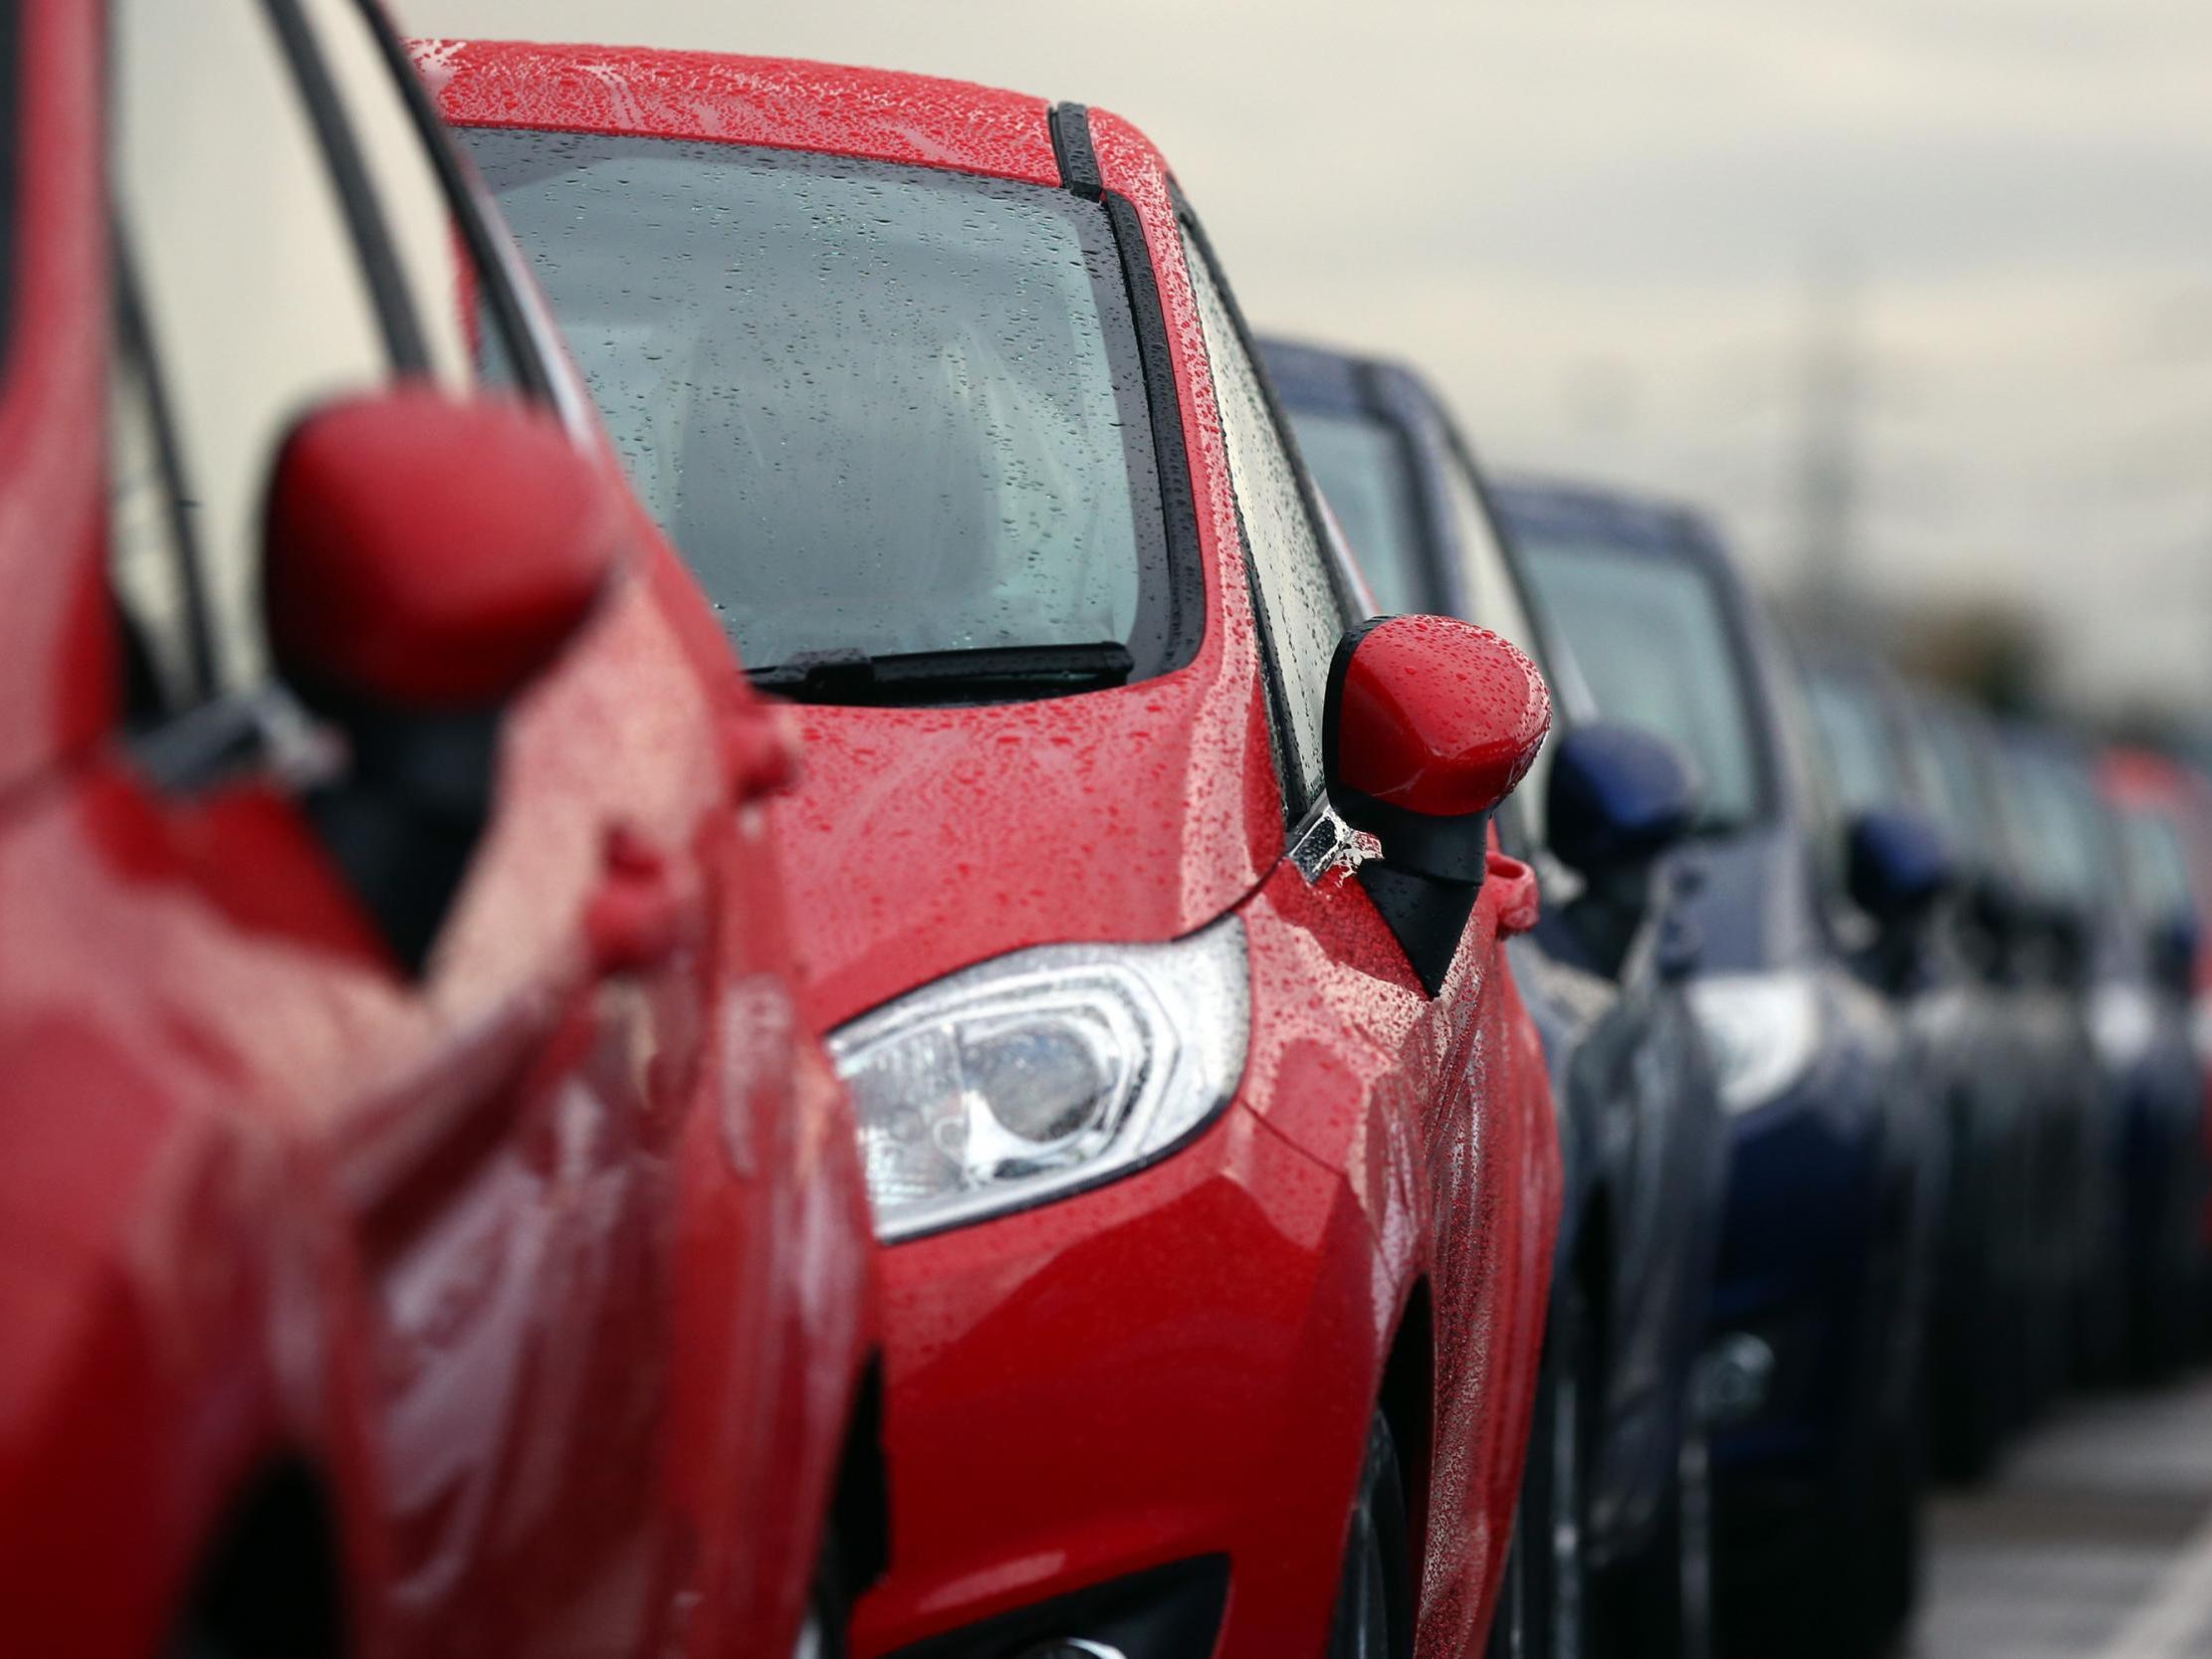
{"x":2062,"y":840}
{"x":1364,"y":476}
{"x":1855,"y":742}
{"x":881,"y":410}
{"x":2157,"y":870}
{"x":1652,"y":639}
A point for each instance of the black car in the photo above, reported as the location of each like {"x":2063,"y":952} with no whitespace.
{"x":1617,"y":1486}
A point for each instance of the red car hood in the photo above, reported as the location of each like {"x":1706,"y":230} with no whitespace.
{"x":922,"y":840}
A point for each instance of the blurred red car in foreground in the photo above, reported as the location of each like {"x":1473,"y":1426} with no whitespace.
{"x":420,"y":1231}
{"x":1219,"y":1179}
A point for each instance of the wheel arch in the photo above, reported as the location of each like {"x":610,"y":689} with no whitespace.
{"x":1406,"y":1400}
{"x":860,"y":1498}
{"x":271,"y":1583}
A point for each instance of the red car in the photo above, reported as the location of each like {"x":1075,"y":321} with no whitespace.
{"x":420,"y":1229}
{"x":1215,"y":1157}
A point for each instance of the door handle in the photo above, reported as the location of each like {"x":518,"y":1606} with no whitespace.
{"x":645,"y":911}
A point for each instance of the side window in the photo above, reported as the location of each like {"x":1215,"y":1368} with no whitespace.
{"x":1824,"y":810}
{"x":1300,"y":604}
{"x":255,"y":300}
{"x":461,"y":344}
{"x":293,"y":243}
{"x":1496,"y":601}
{"x":150,"y":566}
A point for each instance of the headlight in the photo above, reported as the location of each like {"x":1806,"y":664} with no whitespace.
{"x":1043,"y":1071}
{"x":1763,"y":1030}
{"x":2123,"y":1022}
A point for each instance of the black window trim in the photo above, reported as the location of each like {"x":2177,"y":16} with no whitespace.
{"x":1298,"y":807}
{"x":364,"y":215}
{"x":11,"y":167}
{"x":487,"y":248}
{"x":135,"y":344}
{"x":1183,"y":627}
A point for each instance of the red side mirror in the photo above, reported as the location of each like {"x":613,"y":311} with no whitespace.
{"x":1431,"y":723}
{"x":429,"y":554}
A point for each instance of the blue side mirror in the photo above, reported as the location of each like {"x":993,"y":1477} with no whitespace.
{"x":1619,"y":795}
{"x":1897,"y":864}
{"x":2174,"y":943}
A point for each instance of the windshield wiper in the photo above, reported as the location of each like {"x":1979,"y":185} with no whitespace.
{"x":990,"y":674}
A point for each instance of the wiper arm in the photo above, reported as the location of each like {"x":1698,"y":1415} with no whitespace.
{"x":987,"y":674}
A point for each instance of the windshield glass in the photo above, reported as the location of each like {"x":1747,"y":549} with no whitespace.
{"x":2062,"y":844}
{"x":880,"y":410}
{"x":2158,"y":870}
{"x":1853,"y":740}
{"x":1360,"y":463}
{"x":1651,"y":640}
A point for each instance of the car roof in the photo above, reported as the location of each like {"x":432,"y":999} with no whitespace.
{"x":1314,"y":377}
{"x":1613,"y":518}
{"x":784,"y":102}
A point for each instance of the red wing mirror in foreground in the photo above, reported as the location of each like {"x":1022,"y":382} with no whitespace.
{"x":425,"y":553}
{"x":426,"y":559}
{"x":1430,"y":723}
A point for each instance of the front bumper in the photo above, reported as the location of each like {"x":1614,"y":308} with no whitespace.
{"x":1799,"y":1233}
{"x":1176,"y":1367}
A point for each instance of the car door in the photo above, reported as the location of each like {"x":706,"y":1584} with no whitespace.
{"x":496,"y":1129}
{"x":1458,"y":1150}
{"x":1650,"y":1101}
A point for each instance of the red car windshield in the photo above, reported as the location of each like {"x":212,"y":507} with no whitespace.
{"x":888,"y":414}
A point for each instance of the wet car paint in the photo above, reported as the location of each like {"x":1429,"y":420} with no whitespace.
{"x":525,"y":1303}
{"x":1180,"y":1363}
{"x":1826,"y":1230}
{"x":1641,"y":1137}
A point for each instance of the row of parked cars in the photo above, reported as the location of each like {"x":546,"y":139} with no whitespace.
{"x":1227,"y":1041}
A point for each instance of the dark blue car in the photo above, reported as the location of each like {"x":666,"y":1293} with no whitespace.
{"x":2016,"y":924}
{"x":2133,"y":1149}
{"x":1882,"y":751}
{"x":1617,"y":1484}
{"x":1816,"y":1313}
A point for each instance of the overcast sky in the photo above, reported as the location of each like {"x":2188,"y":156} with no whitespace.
{"x":1597,"y":223}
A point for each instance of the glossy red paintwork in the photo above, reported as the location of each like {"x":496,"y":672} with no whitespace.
{"x":1181,"y":1362}
{"x":1439,"y":716}
{"x":546,"y":1286}
{"x":457,"y":590}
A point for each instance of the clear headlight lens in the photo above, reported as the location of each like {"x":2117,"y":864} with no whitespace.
{"x":2123,"y":1021}
{"x":1763,"y":1030}
{"x":1043,"y":1071}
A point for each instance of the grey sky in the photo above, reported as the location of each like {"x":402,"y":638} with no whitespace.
{"x":1592,"y":220}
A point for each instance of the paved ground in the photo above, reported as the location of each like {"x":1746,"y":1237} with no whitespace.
{"x":2093,"y":1542}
